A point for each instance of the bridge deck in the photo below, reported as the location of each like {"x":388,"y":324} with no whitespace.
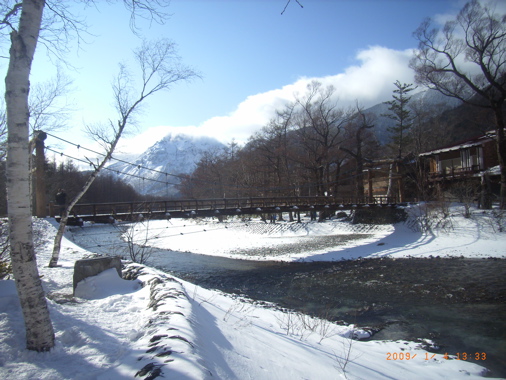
{"x":188,"y":208}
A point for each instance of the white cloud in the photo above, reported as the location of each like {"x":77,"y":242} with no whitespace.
{"x":370,"y":81}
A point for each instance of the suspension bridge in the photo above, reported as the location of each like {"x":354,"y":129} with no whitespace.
{"x":196,"y":208}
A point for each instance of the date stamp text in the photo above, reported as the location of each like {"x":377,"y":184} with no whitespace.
{"x":477,"y":356}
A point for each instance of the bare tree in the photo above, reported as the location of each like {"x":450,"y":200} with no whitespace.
{"x":320,"y":124}
{"x":358,"y":137}
{"x":46,"y":112}
{"x":160,"y":68}
{"x":274,"y":151}
{"x":428,"y":130}
{"x":137,"y":237}
{"x":467,"y":60}
{"x":23,"y":22}
{"x":288,"y":3}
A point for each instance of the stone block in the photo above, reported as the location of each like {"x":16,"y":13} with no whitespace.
{"x":91,"y":267}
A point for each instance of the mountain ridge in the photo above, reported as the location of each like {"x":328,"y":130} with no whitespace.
{"x":158,"y":170}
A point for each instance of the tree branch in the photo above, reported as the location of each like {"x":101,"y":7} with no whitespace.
{"x":12,"y":13}
{"x":288,"y":2}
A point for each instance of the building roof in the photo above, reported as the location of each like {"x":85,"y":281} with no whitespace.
{"x":475,"y":141}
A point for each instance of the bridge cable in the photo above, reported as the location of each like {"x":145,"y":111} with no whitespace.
{"x":182,"y":177}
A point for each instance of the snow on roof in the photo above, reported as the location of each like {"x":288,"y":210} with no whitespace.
{"x":475,"y":141}
{"x":494,"y":170}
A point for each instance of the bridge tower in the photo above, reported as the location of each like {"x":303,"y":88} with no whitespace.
{"x":40,"y":180}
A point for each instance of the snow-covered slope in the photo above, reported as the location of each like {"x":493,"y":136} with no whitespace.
{"x":156,"y":171}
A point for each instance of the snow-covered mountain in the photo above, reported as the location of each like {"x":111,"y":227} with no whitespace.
{"x":163,"y":162}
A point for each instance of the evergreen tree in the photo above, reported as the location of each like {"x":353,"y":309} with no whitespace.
{"x":400,"y":113}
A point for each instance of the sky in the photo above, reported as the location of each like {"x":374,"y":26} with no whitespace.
{"x":252,"y":60}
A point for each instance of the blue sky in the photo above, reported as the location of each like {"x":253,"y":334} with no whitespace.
{"x":252,"y":59}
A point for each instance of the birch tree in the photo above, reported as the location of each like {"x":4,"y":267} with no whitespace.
{"x":466,"y":59}
{"x":23,"y":21}
{"x":39,"y":330}
{"x":160,"y":68}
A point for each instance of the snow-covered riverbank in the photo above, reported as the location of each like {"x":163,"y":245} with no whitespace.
{"x":117,"y":328}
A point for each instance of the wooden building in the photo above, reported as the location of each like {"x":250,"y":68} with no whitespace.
{"x":469,"y":158}
{"x":468,"y":169}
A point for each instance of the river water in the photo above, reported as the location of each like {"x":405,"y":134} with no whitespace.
{"x":458,"y":304}
{"x":449,"y":305}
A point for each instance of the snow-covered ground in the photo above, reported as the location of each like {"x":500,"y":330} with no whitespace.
{"x":477,"y":237}
{"x":161,"y":325}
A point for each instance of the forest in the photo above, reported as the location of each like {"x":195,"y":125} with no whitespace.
{"x":315,"y":147}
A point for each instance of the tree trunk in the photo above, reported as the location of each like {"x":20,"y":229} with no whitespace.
{"x":152,"y":59}
{"x":64,"y":218}
{"x":360,"y":179}
{"x":39,"y":331}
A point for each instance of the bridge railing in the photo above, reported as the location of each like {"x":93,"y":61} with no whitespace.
{"x":185,"y":205}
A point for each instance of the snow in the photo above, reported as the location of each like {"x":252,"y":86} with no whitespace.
{"x":157,"y":324}
{"x":474,"y":237}
{"x":105,"y":284}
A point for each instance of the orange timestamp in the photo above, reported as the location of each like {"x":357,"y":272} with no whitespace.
{"x":470,"y":356}
{"x":428,"y":356}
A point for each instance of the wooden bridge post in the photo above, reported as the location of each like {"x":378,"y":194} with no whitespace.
{"x":40,"y":184}
{"x":400,"y":183}
{"x":369,"y":185}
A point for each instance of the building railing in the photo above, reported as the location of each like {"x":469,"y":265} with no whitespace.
{"x":454,"y":172}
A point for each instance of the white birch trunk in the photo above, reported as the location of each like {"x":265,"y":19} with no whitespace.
{"x":53,"y":262}
{"x":39,"y":330}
